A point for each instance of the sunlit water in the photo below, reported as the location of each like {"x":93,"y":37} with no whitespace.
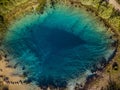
{"x":59,"y":45}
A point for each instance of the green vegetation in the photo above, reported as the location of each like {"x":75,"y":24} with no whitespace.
{"x":40,"y":8}
{"x":7,"y":5}
{"x":105,"y":11}
{"x":10,"y":9}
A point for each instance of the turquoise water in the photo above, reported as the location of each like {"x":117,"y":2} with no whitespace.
{"x":58,"y":45}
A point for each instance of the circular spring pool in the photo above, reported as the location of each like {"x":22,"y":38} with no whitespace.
{"x":59,"y":45}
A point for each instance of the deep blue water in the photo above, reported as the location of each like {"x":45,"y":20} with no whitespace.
{"x":57,"y":46}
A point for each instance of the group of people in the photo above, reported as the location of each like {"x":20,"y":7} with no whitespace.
{"x":5,"y":79}
{"x":14,"y":82}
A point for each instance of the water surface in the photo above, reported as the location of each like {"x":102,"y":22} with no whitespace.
{"x":57,"y":46}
